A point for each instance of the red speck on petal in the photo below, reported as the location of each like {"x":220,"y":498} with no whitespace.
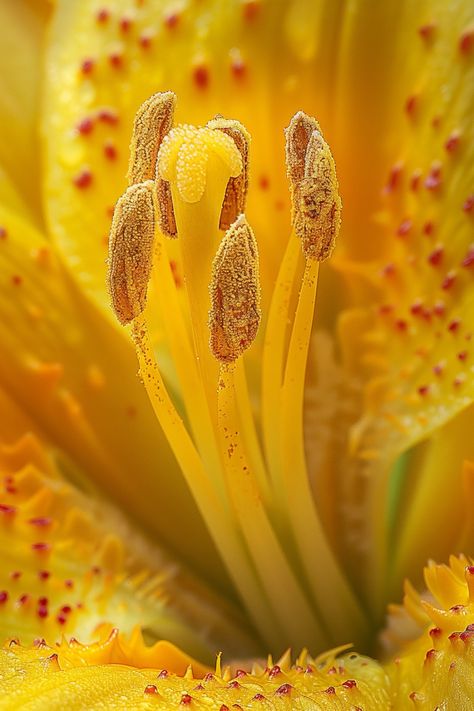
{"x":274,"y":671}
{"x":449,"y":280}
{"x":453,"y":326}
{"x":438,"y":369}
{"x":416,"y":308}
{"x":87,"y":66}
{"x":433,"y":180}
{"x":125,"y":24}
{"x":428,"y":228}
{"x":201,"y":76}
{"x":224,"y":708}
{"x":240,"y":672}
{"x":423,"y":390}
{"x":171,"y":20}
{"x":435,"y":632}
{"x":233,"y":685}
{"x":349,"y":684}
{"x":468,"y":204}
{"x":16,"y":280}
{"x":251,"y":9}
{"x":108,"y":116}
{"x":401,"y":325}
{"x":42,"y":612}
{"x":102,"y":15}
{"x":238,"y":68}
{"x":426,"y":31}
{"x":83,"y":179}
{"x":388,"y":270}
{"x":436,"y":256}
{"x":411,"y":104}
{"x":470,"y":571}
{"x":393,"y":178}
{"x":23,"y":599}
{"x":150,"y":689}
{"x":85,"y":126}
{"x":466,"y":41}
{"x":40,"y":521}
{"x":468,"y":260}
{"x":44,"y":574}
{"x":3,"y":233}
{"x":3,"y":596}
{"x":110,"y":151}
{"x":163,"y":674}
{"x":415,"y":180}
{"x":61,"y":619}
{"x":185,"y":700}
{"x":15,"y":574}
{"x":330,"y":690}
{"x":116,"y":60}
{"x":430,"y":655}
{"x":259,"y":697}
{"x":7,"y":509}
{"x":69,"y":584}
{"x":452,"y":142}
{"x":404,"y":228}
{"x":145,"y":40}
{"x":41,"y":547}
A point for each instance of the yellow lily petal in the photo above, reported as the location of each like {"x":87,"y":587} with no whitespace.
{"x":71,"y":373}
{"x":64,"y":676}
{"x":23,"y":26}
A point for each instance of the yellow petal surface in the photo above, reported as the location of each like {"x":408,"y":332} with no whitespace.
{"x":66,"y":676}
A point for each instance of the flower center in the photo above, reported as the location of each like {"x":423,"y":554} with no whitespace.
{"x":243,"y":459}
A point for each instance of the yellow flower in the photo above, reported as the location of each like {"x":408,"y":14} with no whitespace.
{"x":271,"y":482}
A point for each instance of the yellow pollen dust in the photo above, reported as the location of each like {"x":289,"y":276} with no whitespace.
{"x":153,"y":121}
{"x":183,"y":158}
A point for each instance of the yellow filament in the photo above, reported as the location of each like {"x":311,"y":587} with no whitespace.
{"x":194,"y":397}
{"x":331,"y":592}
{"x":274,"y":352}
{"x":221,"y":524}
{"x":295,"y":617}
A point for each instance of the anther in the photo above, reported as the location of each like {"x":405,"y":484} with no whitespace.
{"x":314,"y":187}
{"x":131,"y":250}
{"x":153,"y":121}
{"x":235,"y":293}
{"x":236,"y":191}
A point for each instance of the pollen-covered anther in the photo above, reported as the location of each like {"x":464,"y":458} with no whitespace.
{"x":131,"y":251}
{"x":314,"y":187}
{"x":236,"y":192}
{"x":235,"y":293}
{"x":153,"y":121}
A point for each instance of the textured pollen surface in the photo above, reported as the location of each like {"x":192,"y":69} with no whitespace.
{"x":184,"y":154}
{"x":83,"y":678}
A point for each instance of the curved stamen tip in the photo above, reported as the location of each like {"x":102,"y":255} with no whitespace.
{"x":131,"y":251}
{"x":153,"y":121}
{"x":314,"y":187}
{"x":184,"y":154}
{"x":235,"y":293}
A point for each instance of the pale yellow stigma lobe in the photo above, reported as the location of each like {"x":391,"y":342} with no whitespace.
{"x":131,"y":251}
{"x":314,"y":187}
{"x":153,"y":121}
{"x":183,"y":159}
{"x":235,"y":293}
{"x":236,"y":192}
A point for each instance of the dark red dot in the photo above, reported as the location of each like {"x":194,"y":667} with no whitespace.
{"x":3,"y":596}
{"x":426,"y":31}
{"x":108,"y":116}
{"x":3,"y":233}
{"x":110,"y":151}
{"x":83,"y":179}
{"x":274,"y":671}
{"x":7,"y":509}
{"x":87,"y":66}
{"x":250,"y":9}
{"x":125,"y":24}
{"x":468,"y":204}
{"x":436,"y":257}
{"x":41,"y":547}
{"x":330,"y":690}
{"x":186,"y":699}
{"x":452,"y":142}
{"x":116,"y":60}
{"x":40,"y":521}
{"x":466,"y":41}
{"x":171,"y":20}
{"x":102,"y":15}
{"x":404,"y":228}
{"x":284,"y":689}
{"x":201,"y":76}
{"x":85,"y":126}
{"x":44,"y":574}
{"x":349,"y":684}
{"x":411,"y":104}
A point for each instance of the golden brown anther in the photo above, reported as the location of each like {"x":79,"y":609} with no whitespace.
{"x":236,"y":191}
{"x":153,"y":120}
{"x":131,"y":251}
{"x":235,"y":293}
{"x":314,"y":187}
{"x":164,"y":200}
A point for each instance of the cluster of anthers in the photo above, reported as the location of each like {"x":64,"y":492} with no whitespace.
{"x":191,"y":183}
